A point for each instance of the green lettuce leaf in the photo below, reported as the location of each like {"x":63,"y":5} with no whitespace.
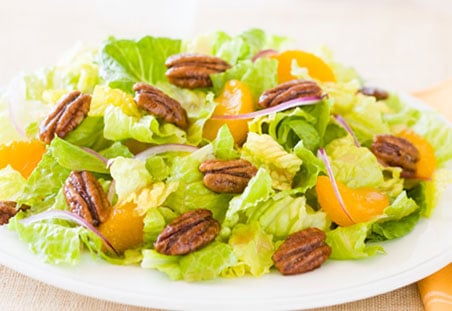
{"x":166,"y":264}
{"x":124,"y":62}
{"x":89,"y":134}
{"x":207,"y":263}
{"x":103,"y":96}
{"x":117,"y":149}
{"x":75,"y":158}
{"x":12,"y":184}
{"x":147,"y":129}
{"x":130,"y":175}
{"x":258,"y":190}
{"x":44,"y":183}
{"x":245,"y":45}
{"x":258,"y":76}
{"x":253,"y":247}
{"x":438,"y":133}
{"x":264,"y":151}
{"x":223,"y":145}
{"x":53,"y":242}
{"x":155,"y":221}
{"x":350,"y":242}
{"x":306,"y":177}
{"x":284,"y":214}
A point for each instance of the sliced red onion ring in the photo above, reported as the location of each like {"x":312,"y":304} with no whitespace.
{"x":324,"y":157}
{"x":305,"y":101}
{"x":264,"y":53}
{"x":164,"y":148}
{"x":347,"y":127}
{"x":97,"y":155}
{"x":58,"y":214}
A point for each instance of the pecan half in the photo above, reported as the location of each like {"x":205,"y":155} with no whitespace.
{"x":301,"y":252}
{"x":68,"y":113}
{"x":187,"y":233}
{"x":378,"y":93}
{"x":287,"y":91}
{"x":193,"y":70}
{"x":391,"y":150}
{"x":86,"y":198}
{"x":230,"y":176}
{"x":8,"y":209}
{"x":159,"y":104}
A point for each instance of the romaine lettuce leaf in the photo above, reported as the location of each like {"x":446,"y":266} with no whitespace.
{"x":349,"y":242}
{"x":207,"y":263}
{"x":12,"y":184}
{"x":306,"y":177}
{"x":104,"y":96}
{"x":89,"y":134}
{"x":147,"y":129}
{"x":44,"y":183}
{"x":245,"y":45}
{"x":166,"y":264}
{"x":223,"y":145}
{"x":124,"y":62}
{"x":253,"y":247}
{"x":75,"y":158}
{"x":264,"y":151}
{"x":284,"y":214}
{"x":130,"y":175}
{"x":154,"y":222}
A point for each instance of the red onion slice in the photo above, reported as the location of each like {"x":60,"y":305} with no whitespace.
{"x":58,"y":214}
{"x":264,"y":53}
{"x":165,"y":148}
{"x":347,"y":127}
{"x":324,"y":157}
{"x":305,"y":101}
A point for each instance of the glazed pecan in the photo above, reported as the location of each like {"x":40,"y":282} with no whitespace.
{"x":187,"y":233}
{"x":86,"y":198}
{"x":301,"y":252}
{"x":159,"y":104}
{"x":396,"y":151}
{"x":378,"y":93}
{"x":193,"y":70}
{"x":289,"y":90}
{"x":68,"y":113}
{"x":8,"y":209}
{"x":227,"y":176}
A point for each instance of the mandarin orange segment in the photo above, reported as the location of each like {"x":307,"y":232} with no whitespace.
{"x":426,"y":165}
{"x":23,"y":156}
{"x":316,"y":67}
{"x":124,"y":227}
{"x":235,"y":98}
{"x":361,"y":204}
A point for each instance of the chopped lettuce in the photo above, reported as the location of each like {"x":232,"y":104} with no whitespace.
{"x":252,"y":247}
{"x":75,"y":158}
{"x":130,"y":175}
{"x":89,"y":134}
{"x":125,"y":62}
{"x":12,"y":184}
{"x":350,"y":242}
{"x":264,"y":151}
{"x":223,"y":145}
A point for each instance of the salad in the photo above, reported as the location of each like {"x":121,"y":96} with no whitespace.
{"x":216,"y":157}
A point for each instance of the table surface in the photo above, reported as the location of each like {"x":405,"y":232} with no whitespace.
{"x":403,"y":45}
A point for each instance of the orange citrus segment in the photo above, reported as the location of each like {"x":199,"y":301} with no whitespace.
{"x":235,"y":98}
{"x":362,"y":204}
{"x":23,"y":156}
{"x":124,"y":227}
{"x":316,"y":67}
{"x":427,"y":160}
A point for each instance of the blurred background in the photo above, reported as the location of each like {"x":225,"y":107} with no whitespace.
{"x":404,"y":44}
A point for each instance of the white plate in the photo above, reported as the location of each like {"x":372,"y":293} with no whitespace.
{"x":422,"y":252}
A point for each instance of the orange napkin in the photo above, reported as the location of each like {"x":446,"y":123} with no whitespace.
{"x":436,"y":290}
